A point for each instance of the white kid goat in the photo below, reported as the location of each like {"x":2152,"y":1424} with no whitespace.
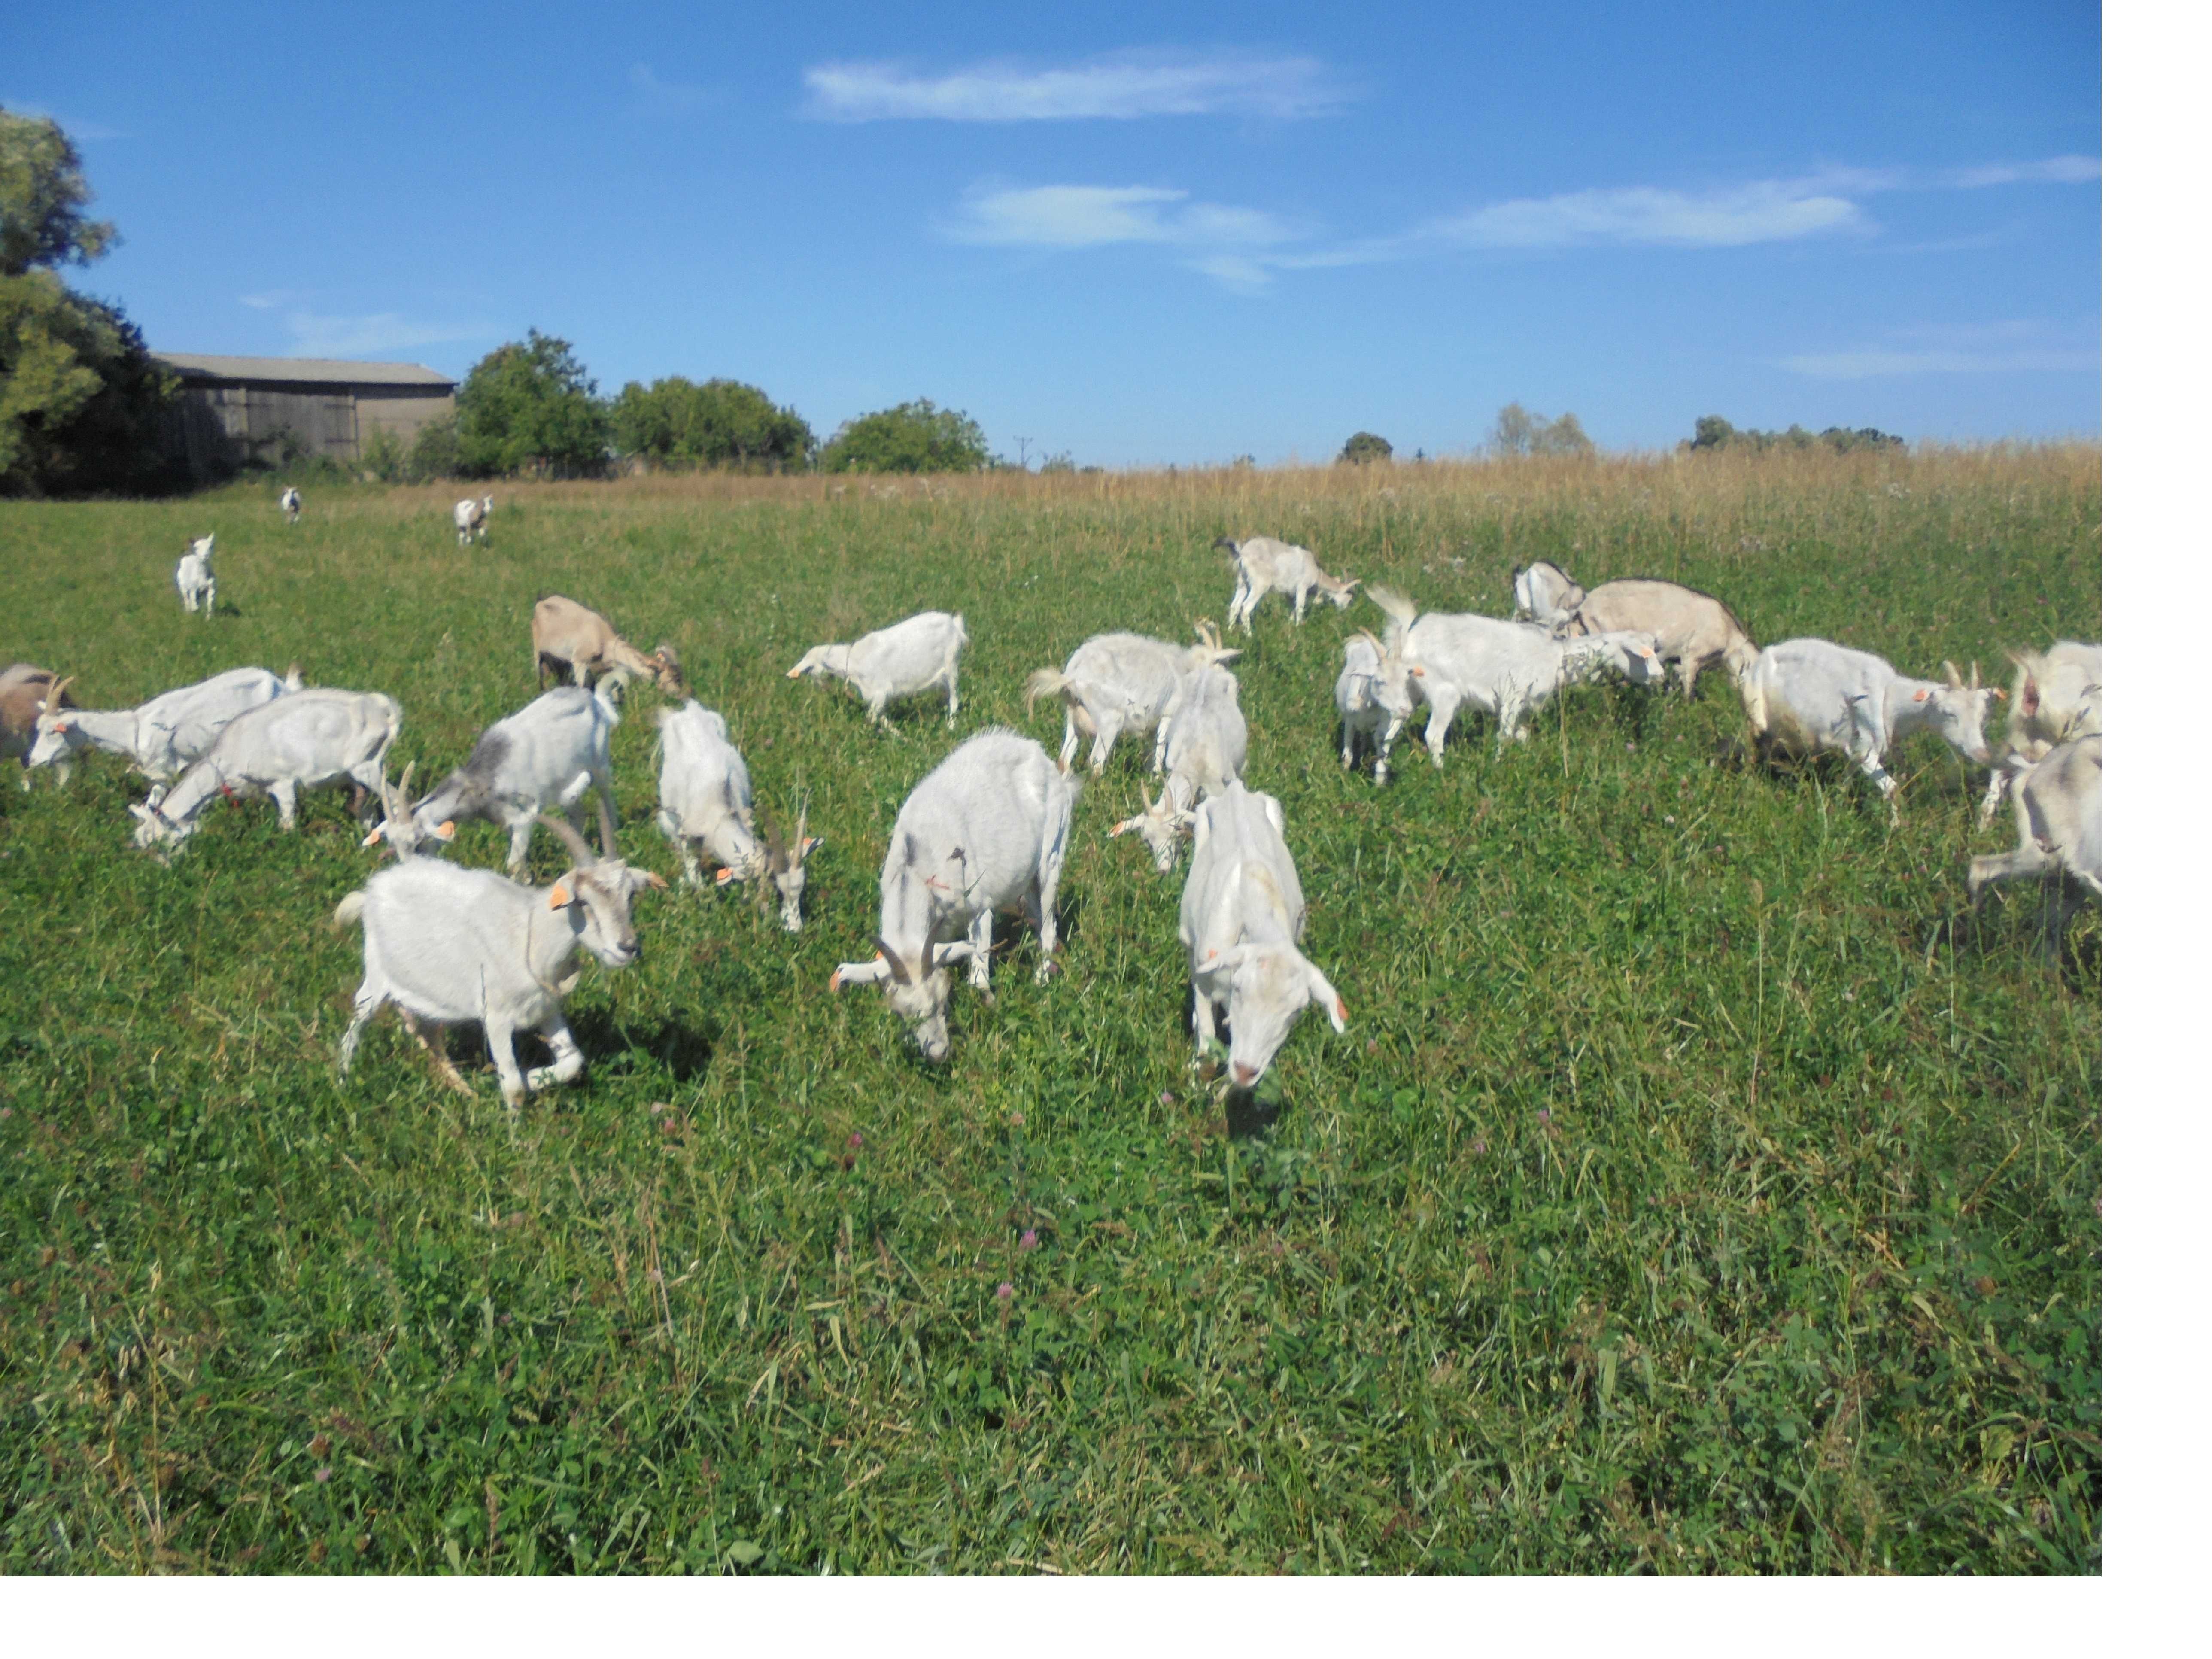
{"x":196,"y":578}
{"x":163,"y":735}
{"x":1374,"y":699}
{"x":907,"y":658}
{"x":987,"y":830}
{"x":550,"y":752}
{"x":2059,"y":805}
{"x":1266,"y":566}
{"x":706,"y":805}
{"x":447,"y":945}
{"x":1544,"y":594}
{"x":572,"y":640}
{"x":471,"y":520}
{"x":1205,"y":743}
{"x":1244,"y":914}
{"x":1694,"y":631}
{"x":302,"y":740}
{"x":2056,"y":695}
{"x":1805,"y":696}
{"x":1508,"y":670}
{"x":1118,"y":682}
{"x":288,"y":504}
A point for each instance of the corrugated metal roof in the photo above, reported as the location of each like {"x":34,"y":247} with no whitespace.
{"x":318,"y":370}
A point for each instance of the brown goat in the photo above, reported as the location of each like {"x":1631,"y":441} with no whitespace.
{"x":571,"y":640}
{"x":23,"y":693}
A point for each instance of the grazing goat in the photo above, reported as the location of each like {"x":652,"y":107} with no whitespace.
{"x":25,"y":693}
{"x":447,"y":945}
{"x":196,"y":578}
{"x":2056,"y":695}
{"x":1266,"y":566}
{"x":289,"y":502}
{"x":1804,"y":696}
{"x":2059,"y":805}
{"x":570,"y":639}
{"x":912,"y":656}
{"x":165,"y":734}
{"x":1508,"y":670}
{"x":471,"y":520}
{"x":1205,"y":743}
{"x":1117,"y":682}
{"x":1374,"y":698}
{"x":302,"y":740}
{"x":987,"y":830}
{"x":707,"y":802}
{"x":1544,"y":594}
{"x":1694,"y":631}
{"x":1243,"y":916}
{"x":550,"y":751}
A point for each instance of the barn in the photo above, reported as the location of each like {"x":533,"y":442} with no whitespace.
{"x":231,"y":412}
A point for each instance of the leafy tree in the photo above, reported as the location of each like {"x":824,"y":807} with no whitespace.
{"x":719,"y":423}
{"x":1565,"y":436}
{"x":1714,"y":433}
{"x":530,"y":406}
{"x":1362,"y":448}
{"x":1518,"y":432}
{"x":915,"y":437}
{"x":81,"y":401}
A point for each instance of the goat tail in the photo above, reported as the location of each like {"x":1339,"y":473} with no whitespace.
{"x":960,"y":629}
{"x":292,"y":680}
{"x":1045,"y":682}
{"x":348,"y":911}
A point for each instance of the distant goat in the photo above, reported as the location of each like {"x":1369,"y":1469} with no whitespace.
{"x":1544,"y":594}
{"x":25,"y":693}
{"x":1805,"y":696}
{"x":573,"y":639}
{"x":1374,"y":699}
{"x":987,"y":831}
{"x":550,"y":752}
{"x":163,"y":735}
{"x":302,"y":740}
{"x":447,"y":945}
{"x":707,"y":804}
{"x":196,"y":578}
{"x":1117,"y":682}
{"x":919,"y":654}
{"x":1207,"y":738}
{"x":2056,"y":695}
{"x":471,"y":520}
{"x":1266,"y":566}
{"x":2059,"y":805}
{"x":1694,"y":631}
{"x":1244,"y":914}
{"x":289,"y":502}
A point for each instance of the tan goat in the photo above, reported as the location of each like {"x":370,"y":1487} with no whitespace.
{"x":23,"y":693}
{"x":1694,"y":631}
{"x":568,"y":639}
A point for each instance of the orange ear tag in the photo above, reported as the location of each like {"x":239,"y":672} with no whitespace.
{"x":374,"y":836}
{"x":557,"y":898}
{"x":723,"y":875}
{"x":1342,"y":1012}
{"x":1920,"y":696}
{"x":445,"y":830}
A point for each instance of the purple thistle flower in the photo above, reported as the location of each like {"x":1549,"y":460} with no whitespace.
{"x":1005,"y":1291}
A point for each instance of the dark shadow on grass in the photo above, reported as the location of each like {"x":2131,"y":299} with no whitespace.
{"x":686,"y":1053}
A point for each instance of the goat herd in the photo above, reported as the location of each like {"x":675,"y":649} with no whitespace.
{"x":987,"y":831}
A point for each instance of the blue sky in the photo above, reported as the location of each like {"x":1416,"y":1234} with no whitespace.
{"x":1139,"y":233}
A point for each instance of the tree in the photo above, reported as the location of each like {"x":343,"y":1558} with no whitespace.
{"x":678,"y":422}
{"x":1362,"y":448}
{"x":915,"y":437}
{"x":1565,"y":436}
{"x":1518,"y":432}
{"x":1714,"y":433}
{"x":81,"y":401}
{"x":530,"y":406}
{"x":1515,"y":431}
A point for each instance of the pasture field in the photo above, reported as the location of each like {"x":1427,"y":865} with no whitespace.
{"x":1699,"y":1186}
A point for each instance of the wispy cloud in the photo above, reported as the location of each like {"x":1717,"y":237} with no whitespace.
{"x":83,"y":131}
{"x":659,"y":97}
{"x":2058,"y":170}
{"x":1118,"y":87}
{"x":1063,"y":216}
{"x":1869,"y":364}
{"x":316,"y":336}
{"x":1770,"y":211}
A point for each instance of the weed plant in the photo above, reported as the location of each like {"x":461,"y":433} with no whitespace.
{"x":1700,"y":1185}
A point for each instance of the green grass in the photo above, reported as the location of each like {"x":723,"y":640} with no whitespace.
{"x":1697,"y":1189}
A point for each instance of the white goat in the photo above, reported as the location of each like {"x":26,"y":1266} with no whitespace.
{"x":196,"y":578}
{"x":2059,"y":805}
{"x":165,"y":734}
{"x":1266,"y":566}
{"x":302,"y":740}
{"x":26,"y":692}
{"x":1804,"y":696}
{"x":550,"y":751}
{"x":1244,"y":914}
{"x":288,"y":503}
{"x":1117,"y":682}
{"x":987,"y":831}
{"x":1205,"y":743}
{"x":2056,"y":695}
{"x":1544,"y":594}
{"x":1694,"y":631}
{"x":447,"y":944}
{"x":573,"y":641}
{"x":1374,"y":698}
{"x":1508,"y":670}
{"x":471,"y":520}
{"x":707,"y":802}
{"x":910,"y":657}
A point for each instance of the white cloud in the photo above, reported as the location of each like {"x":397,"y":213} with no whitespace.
{"x":2058,"y":170}
{"x":1099,"y":215}
{"x":669,"y":98}
{"x":1770,"y":212}
{"x":1876,"y":361}
{"x":314,"y":335}
{"x":1122,"y":86}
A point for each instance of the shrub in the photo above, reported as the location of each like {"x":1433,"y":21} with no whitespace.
{"x":1714,"y":433}
{"x":914,"y":437}
{"x":1364,"y":448}
{"x":677,"y":422}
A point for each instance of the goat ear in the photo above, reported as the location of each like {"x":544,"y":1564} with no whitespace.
{"x":373,"y":836}
{"x":1921,"y":696}
{"x":1124,"y":827}
{"x":445,"y":832}
{"x":807,"y":847}
{"x":1321,"y":991}
{"x":560,"y":898}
